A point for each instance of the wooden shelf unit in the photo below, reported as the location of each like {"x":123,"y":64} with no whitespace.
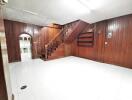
{"x":85,"y":39}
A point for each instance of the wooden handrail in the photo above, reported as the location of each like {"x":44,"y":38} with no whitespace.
{"x":62,"y":36}
{"x":52,"y":42}
{"x":55,"y":37}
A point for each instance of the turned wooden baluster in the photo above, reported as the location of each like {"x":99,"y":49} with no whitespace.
{"x":46,"y":52}
{"x":55,"y":42}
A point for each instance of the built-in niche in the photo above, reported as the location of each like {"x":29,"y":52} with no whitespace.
{"x":86,"y":39}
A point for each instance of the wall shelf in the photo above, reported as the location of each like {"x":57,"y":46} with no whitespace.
{"x":86,"y":39}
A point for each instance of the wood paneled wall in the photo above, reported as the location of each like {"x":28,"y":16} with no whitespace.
{"x":46,"y":35}
{"x":3,"y":91}
{"x":40,"y":37}
{"x":5,"y":86}
{"x":119,"y":47}
{"x":115,"y":50}
{"x":13,"y":30}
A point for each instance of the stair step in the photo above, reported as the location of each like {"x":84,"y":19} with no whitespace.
{"x":58,"y":53}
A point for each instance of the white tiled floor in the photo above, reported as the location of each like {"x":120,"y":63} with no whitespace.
{"x":26,"y":56}
{"x":70,"y":78}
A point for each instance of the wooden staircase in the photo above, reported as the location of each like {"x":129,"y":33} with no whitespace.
{"x":74,"y":30}
{"x":58,"y":53}
{"x":68,"y":33}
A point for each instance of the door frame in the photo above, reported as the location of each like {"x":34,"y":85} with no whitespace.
{"x":30,"y":42}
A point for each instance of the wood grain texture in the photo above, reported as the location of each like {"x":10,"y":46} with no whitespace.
{"x":13,"y":30}
{"x":67,"y":35}
{"x":3,"y":91}
{"x":118,"y":50}
{"x":73,"y":29}
{"x":40,"y":36}
{"x":87,"y":52}
{"x":68,"y":49}
{"x":3,"y":88}
{"x":100,"y":30}
{"x":77,"y":28}
{"x":58,"y":53}
{"x":45,"y":36}
{"x":115,"y":50}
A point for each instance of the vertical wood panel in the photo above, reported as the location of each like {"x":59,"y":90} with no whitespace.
{"x":68,"y":49}
{"x":87,"y":52}
{"x":128,"y":56}
{"x":5,"y":85}
{"x":40,"y":37}
{"x":118,"y":49}
{"x":117,"y":52}
{"x":100,"y":30}
{"x":13,"y":29}
{"x":3,"y":91}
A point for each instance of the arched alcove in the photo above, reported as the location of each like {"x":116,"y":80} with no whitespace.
{"x":25,"y":43}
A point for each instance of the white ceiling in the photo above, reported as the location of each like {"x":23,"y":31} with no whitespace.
{"x":44,"y":12}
